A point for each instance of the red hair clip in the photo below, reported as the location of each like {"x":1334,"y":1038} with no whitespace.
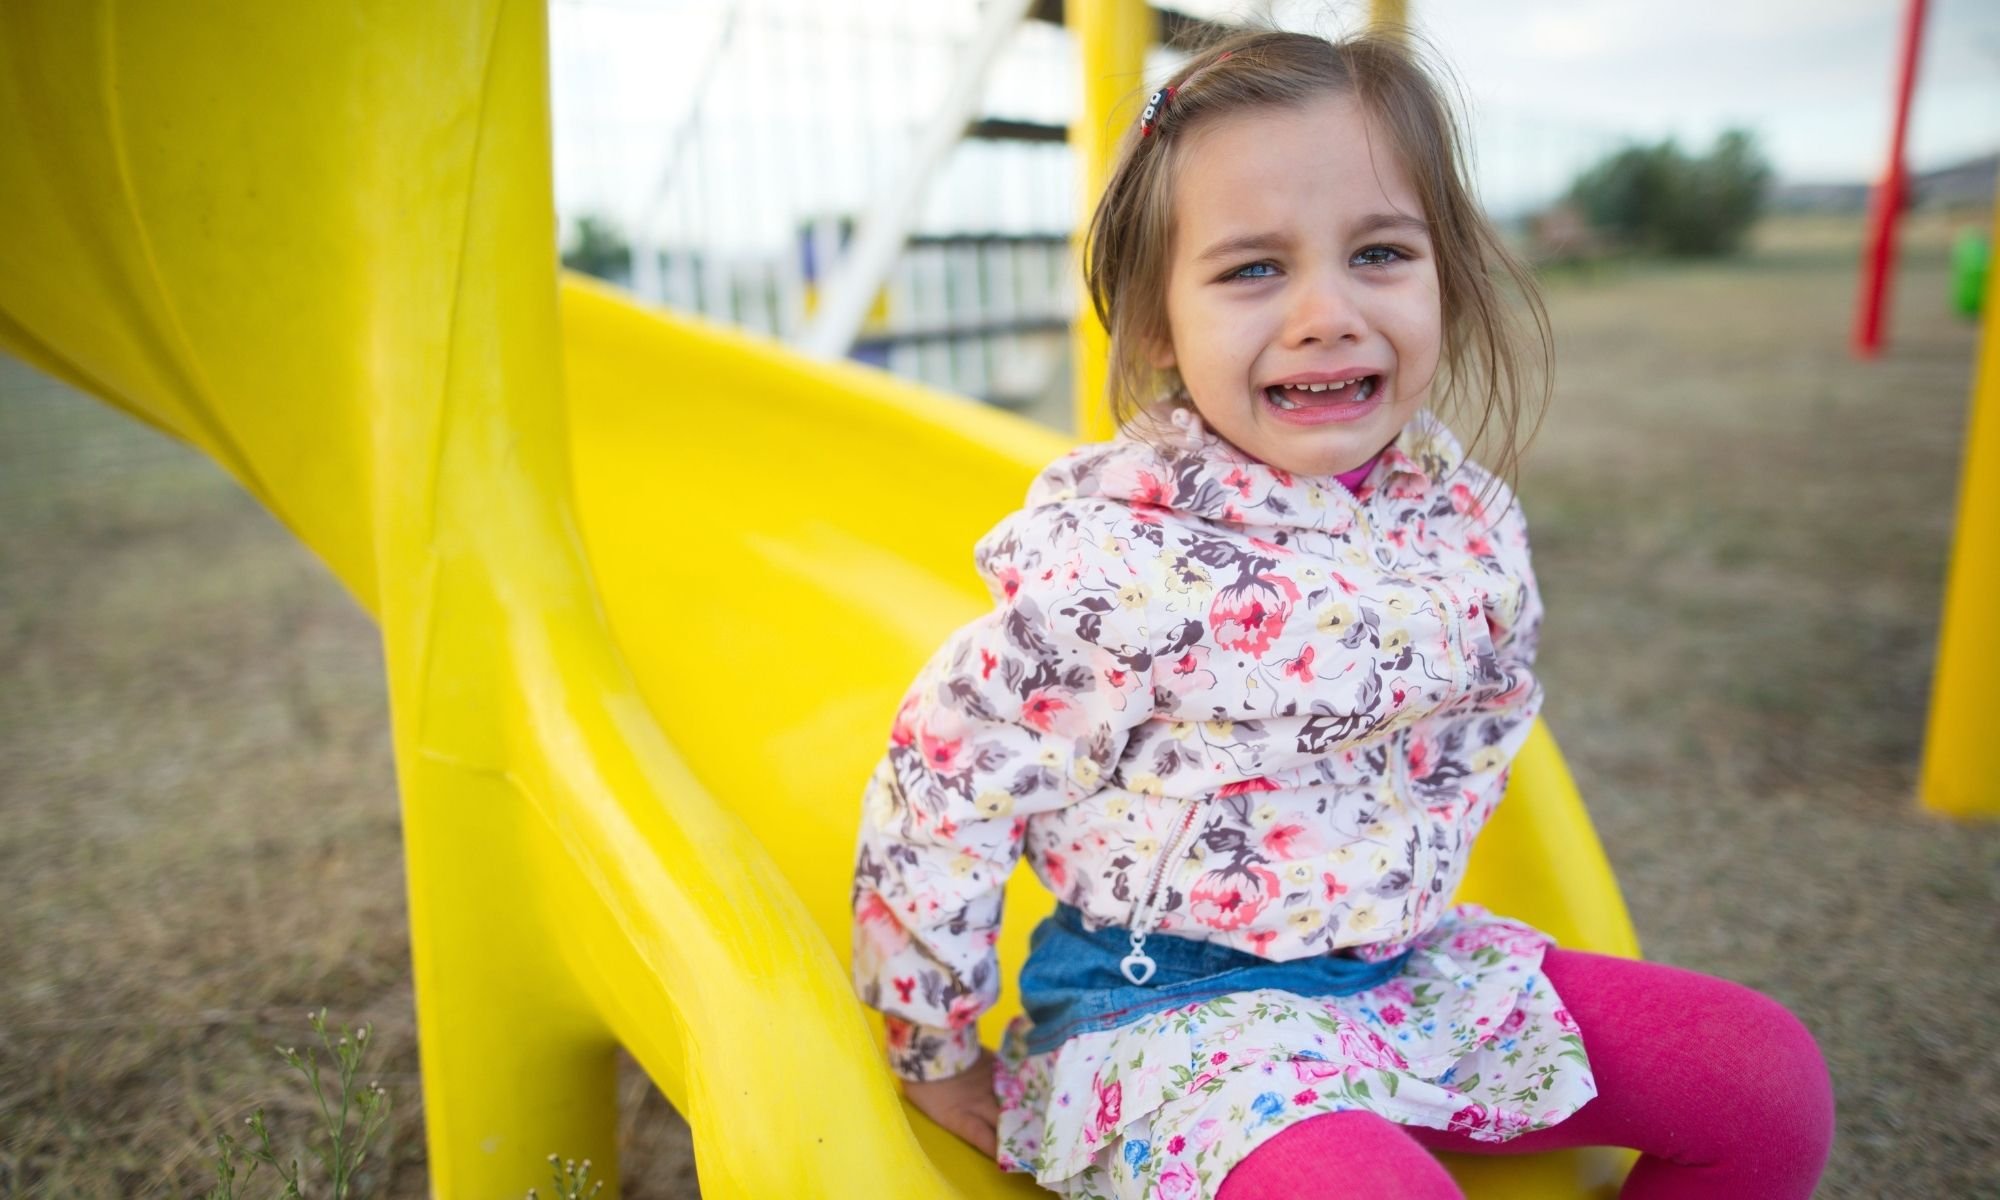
{"x":1155,"y":105}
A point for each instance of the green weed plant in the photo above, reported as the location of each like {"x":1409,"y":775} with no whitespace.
{"x":572,"y":1180}
{"x":351,"y":1114}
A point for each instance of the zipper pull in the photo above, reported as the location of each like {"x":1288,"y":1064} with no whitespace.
{"x":1138,"y":966}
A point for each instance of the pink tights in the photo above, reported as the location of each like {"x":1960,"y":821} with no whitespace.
{"x":1720,"y":1088}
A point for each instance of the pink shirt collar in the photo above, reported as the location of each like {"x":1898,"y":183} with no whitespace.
{"x":1351,"y":480}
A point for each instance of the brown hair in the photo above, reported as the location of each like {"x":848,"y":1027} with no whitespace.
{"x":1484,"y":370}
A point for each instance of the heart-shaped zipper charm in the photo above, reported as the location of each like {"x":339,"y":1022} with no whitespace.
{"x":1138,"y":967}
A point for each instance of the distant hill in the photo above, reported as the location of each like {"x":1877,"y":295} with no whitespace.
{"x":1967,"y":185}
{"x":1962,"y":185}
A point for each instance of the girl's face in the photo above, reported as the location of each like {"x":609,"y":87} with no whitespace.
{"x":1302,"y":298}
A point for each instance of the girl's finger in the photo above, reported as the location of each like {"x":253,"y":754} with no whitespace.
{"x":982,"y":1135}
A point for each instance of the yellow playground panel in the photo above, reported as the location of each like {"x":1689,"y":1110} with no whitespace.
{"x":648,"y":590}
{"x":1957,"y":778}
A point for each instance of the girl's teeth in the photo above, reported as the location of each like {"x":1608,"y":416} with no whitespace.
{"x":1363,"y":389}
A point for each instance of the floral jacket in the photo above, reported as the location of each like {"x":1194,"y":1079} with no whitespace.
{"x":1283,"y":709}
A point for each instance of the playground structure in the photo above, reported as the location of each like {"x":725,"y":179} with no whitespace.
{"x":629,"y":741}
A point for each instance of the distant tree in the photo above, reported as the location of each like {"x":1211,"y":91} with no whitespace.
{"x":1658,"y":198}
{"x":598,"y":248}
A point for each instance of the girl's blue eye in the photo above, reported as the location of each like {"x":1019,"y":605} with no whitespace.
{"x":1378,"y":256}
{"x":1259,"y":270}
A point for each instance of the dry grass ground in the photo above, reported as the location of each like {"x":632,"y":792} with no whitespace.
{"x":1741,"y":534}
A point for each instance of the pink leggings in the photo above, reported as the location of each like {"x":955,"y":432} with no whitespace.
{"x":1719,"y":1088}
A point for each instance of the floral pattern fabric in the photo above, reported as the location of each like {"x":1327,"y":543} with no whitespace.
{"x":1285,"y":708}
{"x":1469,"y":1038}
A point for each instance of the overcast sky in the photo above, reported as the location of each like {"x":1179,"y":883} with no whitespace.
{"x":1814,"y":78}
{"x":1551,"y":84}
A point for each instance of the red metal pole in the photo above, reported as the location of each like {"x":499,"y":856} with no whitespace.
{"x":1879,"y":256}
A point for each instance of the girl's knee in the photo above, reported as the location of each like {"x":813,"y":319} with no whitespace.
{"x":1766,"y":1074}
{"x":1696,"y":1067}
{"x":1772,"y":1034}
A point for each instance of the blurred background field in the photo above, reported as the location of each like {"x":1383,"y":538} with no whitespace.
{"x":1740,"y":531}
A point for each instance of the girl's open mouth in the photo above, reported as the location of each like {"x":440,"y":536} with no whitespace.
{"x":1317,"y":403}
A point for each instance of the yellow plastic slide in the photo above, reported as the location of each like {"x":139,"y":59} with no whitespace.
{"x":648,"y":591}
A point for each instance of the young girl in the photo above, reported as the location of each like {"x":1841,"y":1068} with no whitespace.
{"x":1255,"y":675}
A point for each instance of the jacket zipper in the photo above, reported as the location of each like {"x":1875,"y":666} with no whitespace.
{"x":1399,"y":779}
{"x":1425,"y":863}
{"x":1138,"y":966}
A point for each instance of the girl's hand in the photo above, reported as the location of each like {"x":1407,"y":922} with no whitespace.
{"x":964,"y":1104}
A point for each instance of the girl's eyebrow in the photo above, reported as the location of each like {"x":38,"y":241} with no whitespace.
{"x":1260,"y":243}
{"x":1401,"y":222}
{"x":1245,"y":243}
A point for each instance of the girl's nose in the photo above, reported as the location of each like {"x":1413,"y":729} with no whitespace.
{"x":1324,"y":312}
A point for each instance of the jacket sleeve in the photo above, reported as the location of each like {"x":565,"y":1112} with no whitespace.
{"x":1468,"y":757}
{"x":1513,"y":608}
{"x":1023,"y":711}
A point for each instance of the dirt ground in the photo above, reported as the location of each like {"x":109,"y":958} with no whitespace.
{"x":1741,"y":535}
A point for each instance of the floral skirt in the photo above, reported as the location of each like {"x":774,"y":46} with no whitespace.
{"x":1470,"y":1037}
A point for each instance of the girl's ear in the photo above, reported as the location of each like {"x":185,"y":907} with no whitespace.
{"x":1160,"y":353}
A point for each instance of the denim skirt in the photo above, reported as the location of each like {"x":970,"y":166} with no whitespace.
{"x":1072,"y":982}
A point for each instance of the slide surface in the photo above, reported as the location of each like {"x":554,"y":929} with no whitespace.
{"x":648,"y":590}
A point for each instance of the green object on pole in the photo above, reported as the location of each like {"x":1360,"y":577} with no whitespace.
{"x":1971,"y":256}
